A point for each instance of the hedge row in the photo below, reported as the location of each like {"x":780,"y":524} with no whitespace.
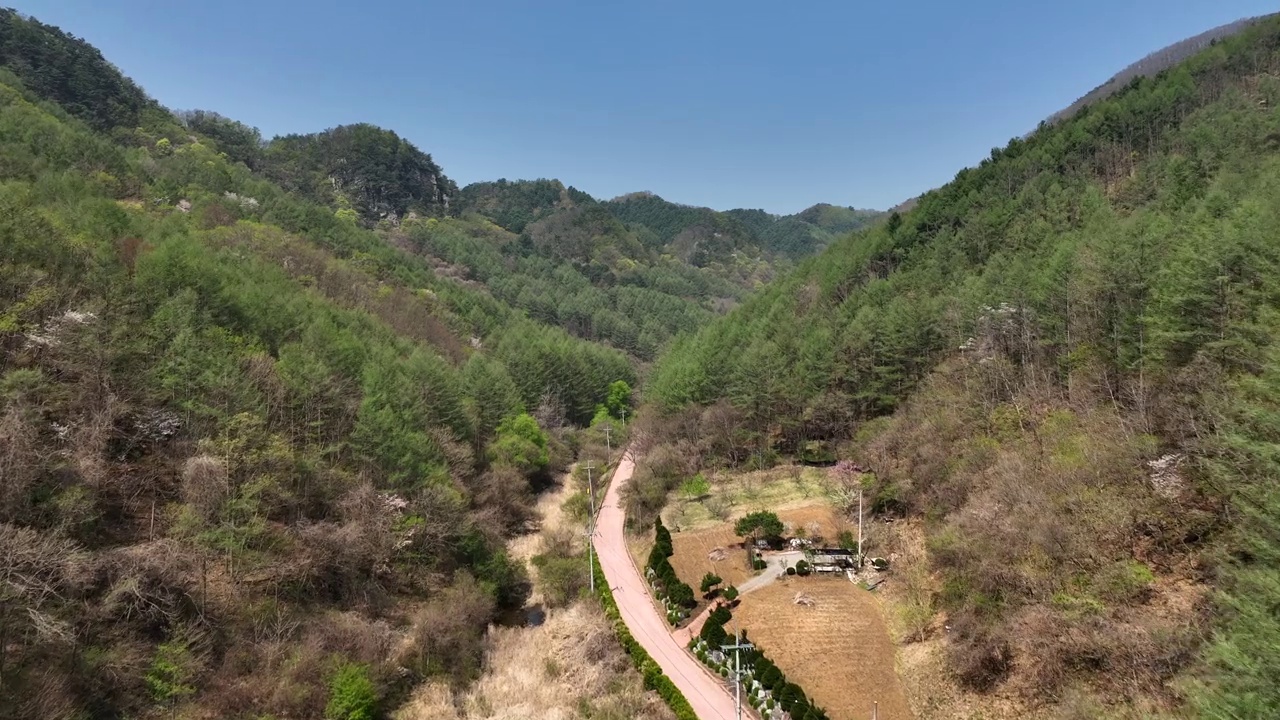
{"x":653,"y":677}
{"x":669,"y":585}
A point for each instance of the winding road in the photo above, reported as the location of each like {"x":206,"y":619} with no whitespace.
{"x":710,"y":699}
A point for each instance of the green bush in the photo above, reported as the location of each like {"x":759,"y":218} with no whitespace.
{"x":791,"y":571}
{"x":170,"y":676}
{"x":720,"y":615}
{"x":351,"y":694}
{"x":695,"y":487}
{"x":709,"y":581}
{"x":562,"y":578}
{"x":803,"y":568}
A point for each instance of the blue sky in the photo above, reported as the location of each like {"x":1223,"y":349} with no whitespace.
{"x":728,"y":104}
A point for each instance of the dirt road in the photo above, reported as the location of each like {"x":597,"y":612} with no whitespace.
{"x":709,"y":698}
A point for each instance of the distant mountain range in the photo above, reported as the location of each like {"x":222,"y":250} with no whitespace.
{"x":696,"y":234}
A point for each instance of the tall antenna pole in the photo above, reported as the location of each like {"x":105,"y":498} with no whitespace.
{"x":591,"y":527}
{"x":737,"y":647}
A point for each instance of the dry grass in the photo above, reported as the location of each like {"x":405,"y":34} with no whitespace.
{"x":920,"y":636}
{"x":550,"y":512}
{"x":924,"y":644}
{"x":570,"y":667}
{"x":735,"y":494}
{"x":1062,"y":571}
{"x":838,"y":649}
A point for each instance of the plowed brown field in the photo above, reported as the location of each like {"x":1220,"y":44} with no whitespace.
{"x":838,"y":650}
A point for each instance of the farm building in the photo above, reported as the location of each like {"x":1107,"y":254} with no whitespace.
{"x":830,"y":559}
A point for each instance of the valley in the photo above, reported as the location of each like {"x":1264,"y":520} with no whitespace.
{"x":301,"y":427}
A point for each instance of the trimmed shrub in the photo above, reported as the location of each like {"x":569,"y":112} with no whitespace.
{"x":709,"y":581}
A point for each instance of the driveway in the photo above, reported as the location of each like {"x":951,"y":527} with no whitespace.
{"x":710,"y":699}
{"x":776,"y":566}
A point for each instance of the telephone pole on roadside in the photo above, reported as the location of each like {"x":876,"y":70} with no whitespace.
{"x":859,"y":524}
{"x":591,"y":527}
{"x":607,"y":442}
{"x":737,"y":647}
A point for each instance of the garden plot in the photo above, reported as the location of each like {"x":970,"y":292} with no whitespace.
{"x":835,"y":645}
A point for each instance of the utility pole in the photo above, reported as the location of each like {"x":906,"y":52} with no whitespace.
{"x":859,"y":524}
{"x":624,"y":416}
{"x":591,"y":527}
{"x":737,"y":647}
{"x":608,"y":443}
{"x":875,"y":711}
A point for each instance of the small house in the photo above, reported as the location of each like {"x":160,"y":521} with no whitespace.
{"x":830,"y":559}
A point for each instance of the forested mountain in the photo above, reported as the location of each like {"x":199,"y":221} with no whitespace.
{"x":806,"y":232}
{"x":703,"y":231}
{"x":513,"y":205}
{"x":1154,"y":63}
{"x":254,"y":460}
{"x":361,"y":168}
{"x":74,"y":74}
{"x":553,"y":253}
{"x":1063,"y":363}
{"x":573,"y":264}
{"x":633,"y":271}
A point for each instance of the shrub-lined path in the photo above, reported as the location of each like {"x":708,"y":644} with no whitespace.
{"x":710,"y":699}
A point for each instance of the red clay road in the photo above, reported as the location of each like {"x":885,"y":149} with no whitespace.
{"x":709,"y":698}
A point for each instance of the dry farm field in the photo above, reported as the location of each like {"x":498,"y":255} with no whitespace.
{"x":837,"y":649}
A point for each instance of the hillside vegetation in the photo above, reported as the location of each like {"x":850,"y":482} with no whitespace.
{"x":1063,"y":361}
{"x":632,"y":272}
{"x":256,"y":460}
